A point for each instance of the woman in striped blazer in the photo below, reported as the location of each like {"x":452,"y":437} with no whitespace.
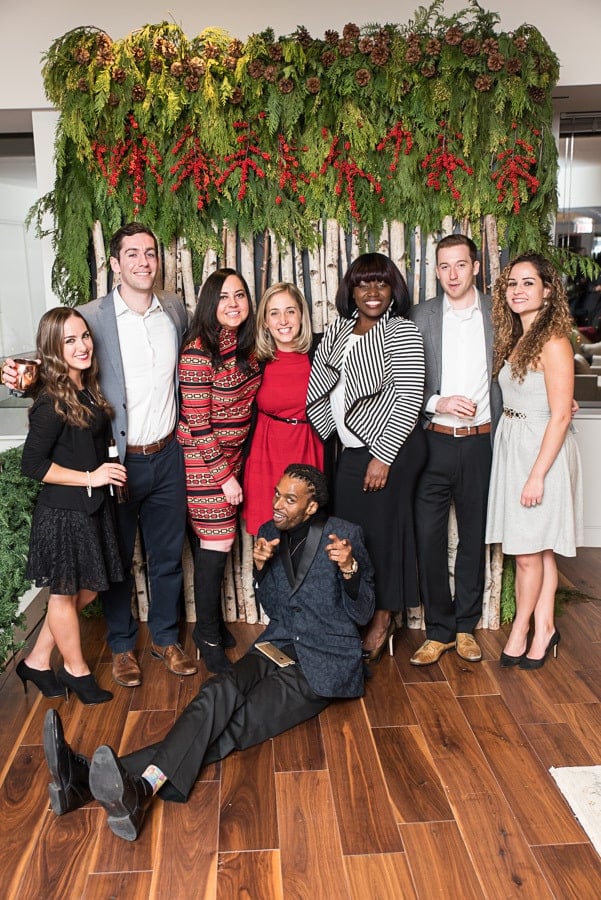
{"x":367,"y":385}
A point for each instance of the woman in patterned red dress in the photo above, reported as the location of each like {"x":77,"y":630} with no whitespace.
{"x":219,"y":377}
{"x":282,"y":434}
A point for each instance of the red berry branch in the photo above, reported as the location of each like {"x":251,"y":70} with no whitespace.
{"x":515,"y":166}
{"x":134,"y":156}
{"x":193,"y":164}
{"x":400,"y":135}
{"x":243,"y":159}
{"x":288,"y":166}
{"x":442,"y":163}
{"x":348,"y":171}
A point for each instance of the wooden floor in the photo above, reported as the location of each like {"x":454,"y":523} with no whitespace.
{"x":436,"y":784}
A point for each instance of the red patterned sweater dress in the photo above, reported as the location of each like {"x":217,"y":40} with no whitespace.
{"x":215,"y":417}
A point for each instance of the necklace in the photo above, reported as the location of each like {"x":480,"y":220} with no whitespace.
{"x":299,"y":544}
{"x":88,"y":396}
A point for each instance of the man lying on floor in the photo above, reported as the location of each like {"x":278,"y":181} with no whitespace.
{"x":314,"y":579}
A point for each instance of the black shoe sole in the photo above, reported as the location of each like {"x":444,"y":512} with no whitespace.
{"x":56,"y":790}
{"x":106,"y":784}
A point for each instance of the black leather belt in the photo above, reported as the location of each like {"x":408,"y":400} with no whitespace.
{"x":288,"y":421}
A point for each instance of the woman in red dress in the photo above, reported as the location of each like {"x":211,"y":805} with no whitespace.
{"x":218,"y":377}
{"x":282,"y":433}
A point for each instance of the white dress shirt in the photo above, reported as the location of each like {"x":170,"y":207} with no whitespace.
{"x":464,"y":368}
{"x":149,"y":350}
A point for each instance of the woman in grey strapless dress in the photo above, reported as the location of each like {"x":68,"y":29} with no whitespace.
{"x":535,"y":499}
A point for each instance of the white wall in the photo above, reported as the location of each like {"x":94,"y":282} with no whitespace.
{"x":573,"y":30}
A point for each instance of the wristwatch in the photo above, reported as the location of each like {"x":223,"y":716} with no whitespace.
{"x":348,"y":573}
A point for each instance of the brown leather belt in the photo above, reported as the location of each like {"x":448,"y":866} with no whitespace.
{"x":150,"y":449}
{"x":461,"y":431}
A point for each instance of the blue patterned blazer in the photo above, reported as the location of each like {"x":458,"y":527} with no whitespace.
{"x":313,"y":611}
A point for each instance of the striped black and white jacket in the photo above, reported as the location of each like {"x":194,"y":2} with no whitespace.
{"x":384,"y":375}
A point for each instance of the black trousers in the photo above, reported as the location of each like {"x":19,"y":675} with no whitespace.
{"x":458,"y":471}
{"x":256,"y":700}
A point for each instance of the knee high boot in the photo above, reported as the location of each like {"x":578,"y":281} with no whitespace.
{"x":209,"y":566}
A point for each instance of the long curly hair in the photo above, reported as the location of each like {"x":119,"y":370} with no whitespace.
{"x":204,"y":324}
{"x":54,"y":372}
{"x":552,"y":320}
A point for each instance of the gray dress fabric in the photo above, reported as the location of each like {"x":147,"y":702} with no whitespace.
{"x":556,"y":523}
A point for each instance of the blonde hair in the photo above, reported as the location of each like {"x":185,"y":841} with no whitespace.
{"x":265,"y":344}
{"x":552,"y":320}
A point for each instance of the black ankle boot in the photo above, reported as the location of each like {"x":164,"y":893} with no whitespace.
{"x":70,"y":785}
{"x":84,"y":686}
{"x":214,"y":657}
{"x":209,"y":566}
{"x":44,"y":680}
{"x":124,"y":797}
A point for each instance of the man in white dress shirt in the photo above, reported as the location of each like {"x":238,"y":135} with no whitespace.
{"x":461,"y":408}
{"x":137,"y":337}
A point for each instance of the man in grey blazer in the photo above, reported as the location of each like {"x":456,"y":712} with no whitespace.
{"x":315,"y":581}
{"x":137,"y":337}
{"x":461,"y":407}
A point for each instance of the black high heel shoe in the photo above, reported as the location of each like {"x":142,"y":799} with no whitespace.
{"x":527,"y":662}
{"x":44,"y":680}
{"x":507,"y":660}
{"x":85,"y":687}
{"x":214,"y":656}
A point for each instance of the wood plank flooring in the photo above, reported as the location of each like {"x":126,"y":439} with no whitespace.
{"x":435,"y":784}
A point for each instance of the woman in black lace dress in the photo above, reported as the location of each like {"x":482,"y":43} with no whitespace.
{"x":73,"y":547}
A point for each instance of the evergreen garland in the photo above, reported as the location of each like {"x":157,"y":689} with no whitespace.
{"x":446,"y":115}
{"x":17,"y":499}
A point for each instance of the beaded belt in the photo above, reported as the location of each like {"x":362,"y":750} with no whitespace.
{"x":288,"y":421}
{"x":461,"y":430}
{"x":150,"y":449}
{"x":513,"y":413}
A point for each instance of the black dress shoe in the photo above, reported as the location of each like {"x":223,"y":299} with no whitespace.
{"x":70,"y":785}
{"x":124,"y":797}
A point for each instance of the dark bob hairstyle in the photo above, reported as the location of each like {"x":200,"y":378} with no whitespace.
{"x":373,"y":267}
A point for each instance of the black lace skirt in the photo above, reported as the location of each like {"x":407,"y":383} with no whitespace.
{"x":71,"y":551}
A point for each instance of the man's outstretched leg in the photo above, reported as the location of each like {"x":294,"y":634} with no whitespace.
{"x":125,"y":797}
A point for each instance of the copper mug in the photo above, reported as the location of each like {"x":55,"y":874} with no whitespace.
{"x":27,"y":374}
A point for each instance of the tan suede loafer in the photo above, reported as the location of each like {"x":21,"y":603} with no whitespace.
{"x":126,"y":670}
{"x":430,"y":652}
{"x":467,"y":647}
{"x":175,"y":659}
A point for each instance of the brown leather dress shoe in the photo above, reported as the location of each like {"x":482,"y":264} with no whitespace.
{"x":126,"y":670}
{"x":430,"y":652}
{"x":467,"y":647}
{"x":175,"y":659}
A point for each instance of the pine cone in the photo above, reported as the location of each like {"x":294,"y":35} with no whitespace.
{"x":495,"y":62}
{"x":362,"y":77}
{"x":490,"y":45}
{"x":230,"y":63}
{"x":521,"y":43}
{"x":156,"y":64}
{"x":470,"y":46}
{"x":139,"y":54}
{"x":285,"y":85}
{"x":366,"y":45}
{"x":119,"y":75}
{"x":483,"y":83}
{"x":413,"y":38}
{"x":177,"y":69}
{"x":303,"y":37}
{"x":237,"y":96}
{"x":542,"y":65}
{"x":383,"y":38}
{"x":328,"y":57}
{"x":138,"y":93}
{"x":81,"y":56}
{"x":313,"y":85}
{"x":413,"y":54}
{"x":82,"y":85}
{"x":538,"y":94}
{"x":256,"y":68}
{"x":113,"y":100}
{"x":197,"y":66}
{"x":380,"y":56}
{"x":513,"y":65}
{"x":346,"y":48}
{"x":105,"y":57}
{"x":270,"y":74}
{"x":211,"y":51}
{"x":428,"y":70}
{"x":192,"y":83}
{"x":167,"y":48}
{"x":351,"y":32}
{"x":453,"y":36}
{"x":103,"y":41}
{"x":331,"y":37}
{"x":235,"y":48}
{"x":433,"y":47}
{"x":276,"y":53}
